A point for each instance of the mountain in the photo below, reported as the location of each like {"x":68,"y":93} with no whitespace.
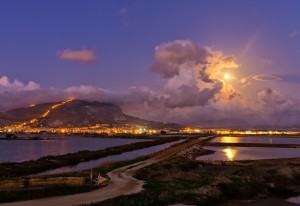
{"x":74,"y":113}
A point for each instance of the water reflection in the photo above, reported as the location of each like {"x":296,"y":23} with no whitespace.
{"x":230,"y":153}
{"x":22,"y":150}
{"x":249,"y":153}
{"x":229,"y":139}
{"x":294,"y":200}
{"x":258,"y":139}
{"x":119,"y":157}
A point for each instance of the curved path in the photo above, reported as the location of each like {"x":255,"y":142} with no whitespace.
{"x":122,"y":182}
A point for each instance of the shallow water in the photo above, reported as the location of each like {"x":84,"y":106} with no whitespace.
{"x":294,"y":200}
{"x":22,"y":150}
{"x":258,"y":139}
{"x":249,"y":153}
{"x":119,"y":157}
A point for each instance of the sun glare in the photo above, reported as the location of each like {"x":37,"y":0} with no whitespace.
{"x":226,"y":76}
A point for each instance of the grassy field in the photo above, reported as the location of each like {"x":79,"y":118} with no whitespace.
{"x":35,"y":193}
{"x":182,"y":180}
{"x":27,"y":188}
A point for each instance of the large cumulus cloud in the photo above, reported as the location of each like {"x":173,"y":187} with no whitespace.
{"x":192,"y":73}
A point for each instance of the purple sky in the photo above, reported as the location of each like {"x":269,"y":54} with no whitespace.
{"x":161,"y":60}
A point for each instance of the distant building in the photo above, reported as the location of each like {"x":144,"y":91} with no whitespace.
{"x":11,"y":136}
{"x":163,"y":132}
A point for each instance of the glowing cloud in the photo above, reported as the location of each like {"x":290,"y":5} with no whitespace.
{"x":265,"y":77}
{"x":193,"y":73}
{"x":83,"y":55}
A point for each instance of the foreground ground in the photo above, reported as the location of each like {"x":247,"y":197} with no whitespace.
{"x":9,"y":170}
{"x":184,"y":180}
{"x":122,"y":182}
{"x":173,"y":177}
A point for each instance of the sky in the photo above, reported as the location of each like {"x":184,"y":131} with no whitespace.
{"x":158,"y":60}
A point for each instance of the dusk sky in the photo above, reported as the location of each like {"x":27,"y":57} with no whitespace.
{"x":186,"y":61}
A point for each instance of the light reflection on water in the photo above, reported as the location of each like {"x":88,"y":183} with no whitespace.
{"x":23,"y":150}
{"x":119,"y":157}
{"x":258,"y":139}
{"x":249,"y":153}
{"x":228,"y":139}
{"x":230,"y":153}
{"x":294,"y":200}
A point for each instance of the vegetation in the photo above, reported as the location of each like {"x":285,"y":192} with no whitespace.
{"x":27,"y":193}
{"x":8,"y":170}
{"x":103,"y":168}
{"x":35,"y":193}
{"x":182,"y":180}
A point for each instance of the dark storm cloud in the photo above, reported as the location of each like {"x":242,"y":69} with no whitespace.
{"x":170,"y":56}
{"x":190,"y":71}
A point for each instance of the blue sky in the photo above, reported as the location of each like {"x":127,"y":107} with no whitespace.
{"x":32,"y":32}
{"x":263,"y":36}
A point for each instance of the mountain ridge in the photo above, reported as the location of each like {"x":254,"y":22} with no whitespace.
{"x":74,"y":113}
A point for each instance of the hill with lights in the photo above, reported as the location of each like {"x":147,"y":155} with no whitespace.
{"x":71,"y":114}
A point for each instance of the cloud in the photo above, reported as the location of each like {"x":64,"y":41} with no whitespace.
{"x":265,"y":77}
{"x":294,"y":34}
{"x":279,"y":109}
{"x":246,"y":81}
{"x":193,"y":92}
{"x":192,"y":73}
{"x":7,"y":85}
{"x":269,"y":108}
{"x":83,"y":55}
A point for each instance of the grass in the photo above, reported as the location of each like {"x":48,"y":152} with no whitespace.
{"x":149,"y":198}
{"x":24,"y":192}
{"x":296,"y":175}
{"x":180,"y":180}
{"x":141,"y":199}
{"x":36,"y":193}
{"x":241,"y":189}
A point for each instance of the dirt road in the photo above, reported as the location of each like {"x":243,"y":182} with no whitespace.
{"x":121,"y":183}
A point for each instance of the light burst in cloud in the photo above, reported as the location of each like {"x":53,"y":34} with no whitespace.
{"x":83,"y":55}
{"x":193,"y":73}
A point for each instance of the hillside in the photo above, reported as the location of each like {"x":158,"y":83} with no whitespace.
{"x":75,"y":113}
